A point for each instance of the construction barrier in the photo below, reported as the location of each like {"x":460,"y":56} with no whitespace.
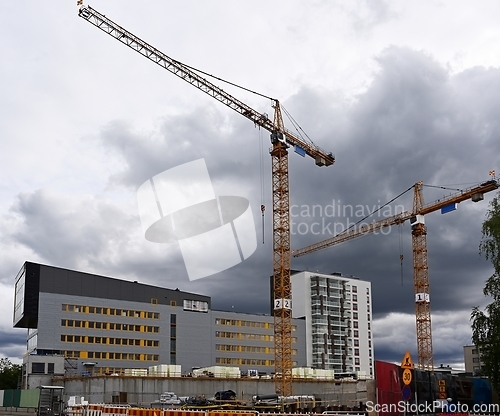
{"x":94,"y":410}
{"x":114,"y":410}
{"x":232,"y":413}
{"x":76,"y":410}
{"x":136,"y":411}
{"x":174,"y":412}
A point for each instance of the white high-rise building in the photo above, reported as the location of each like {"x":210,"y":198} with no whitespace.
{"x":338,"y":314}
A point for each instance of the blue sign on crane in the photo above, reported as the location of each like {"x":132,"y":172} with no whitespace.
{"x":449,"y":208}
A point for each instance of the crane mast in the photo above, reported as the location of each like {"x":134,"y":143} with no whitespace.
{"x":421,"y":283}
{"x":420,"y":255}
{"x":281,"y":139}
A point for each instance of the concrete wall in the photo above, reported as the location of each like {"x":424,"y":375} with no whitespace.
{"x":144,"y":390}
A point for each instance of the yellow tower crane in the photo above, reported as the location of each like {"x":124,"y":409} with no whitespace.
{"x":419,"y":248}
{"x":281,"y":139}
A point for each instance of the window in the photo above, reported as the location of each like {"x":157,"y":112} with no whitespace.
{"x":356,"y":361}
{"x":354,"y":297}
{"x":356,"y":342}
{"x":354,"y":289}
{"x":355,"y":324}
{"x":354,"y":315}
{"x":354,"y":306}
{"x":356,"y":333}
{"x":38,"y":368}
{"x":50,"y":368}
{"x":356,"y":351}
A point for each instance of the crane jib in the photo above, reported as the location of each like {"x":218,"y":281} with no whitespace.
{"x":321,"y":157}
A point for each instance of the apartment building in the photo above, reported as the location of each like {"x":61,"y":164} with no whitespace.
{"x":338,"y":314}
{"x":472,"y":359}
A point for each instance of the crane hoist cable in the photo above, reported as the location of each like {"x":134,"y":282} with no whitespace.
{"x":261,"y":173}
{"x":401,"y":256}
{"x":377,"y":210}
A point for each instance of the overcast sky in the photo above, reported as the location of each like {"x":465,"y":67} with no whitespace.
{"x":400,"y":92}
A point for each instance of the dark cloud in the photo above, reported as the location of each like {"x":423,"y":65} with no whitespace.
{"x":416,"y":121}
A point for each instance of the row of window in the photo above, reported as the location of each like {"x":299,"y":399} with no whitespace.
{"x":239,"y":335}
{"x":111,"y":355}
{"x":246,"y":361}
{"x":245,"y":348}
{"x":110,"y":340}
{"x":250,"y":324}
{"x":244,"y":336}
{"x":110,"y":311}
{"x":72,"y":323}
{"x":120,"y":356}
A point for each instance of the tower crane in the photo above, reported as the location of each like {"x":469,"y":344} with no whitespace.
{"x":419,"y":248}
{"x":281,"y":140}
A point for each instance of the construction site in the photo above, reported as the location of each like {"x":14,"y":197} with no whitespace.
{"x":317,"y":365}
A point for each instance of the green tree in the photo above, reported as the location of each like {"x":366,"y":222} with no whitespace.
{"x":486,"y":324}
{"x":9,"y":374}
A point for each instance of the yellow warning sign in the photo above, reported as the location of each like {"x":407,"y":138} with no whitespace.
{"x":407,"y":361}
